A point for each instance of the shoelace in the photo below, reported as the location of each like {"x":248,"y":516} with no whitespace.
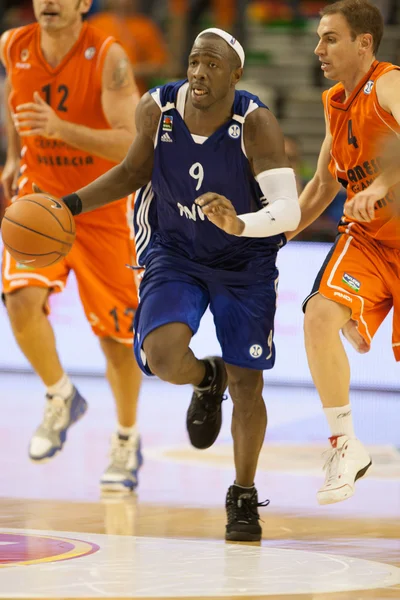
{"x":206,"y":405}
{"x":331,"y":463}
{"x":54,"y":411}
{"x":244,"y":504}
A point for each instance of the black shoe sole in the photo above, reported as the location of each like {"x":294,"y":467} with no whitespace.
{"x":242,"y":536}
{"x":363,"y":471}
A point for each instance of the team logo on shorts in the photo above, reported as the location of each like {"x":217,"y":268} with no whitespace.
{"x":167,"y":123}
{"x":351,"y":281}
{"x":368,"y":87}
{"x":255,"y":351}
{"x":90,"y":52}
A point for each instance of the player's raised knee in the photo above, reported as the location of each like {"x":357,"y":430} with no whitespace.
{"x":25,"y":304}
{"x":322,"y":315}
{"x":164,"y":361}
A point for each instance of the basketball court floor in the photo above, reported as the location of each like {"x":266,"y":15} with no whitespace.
{"x":60,"y":539}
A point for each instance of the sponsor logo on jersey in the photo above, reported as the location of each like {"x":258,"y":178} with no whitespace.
{"x":368,"y":87}
{"x":191,"y":213}
{"x":90,"y":52}
{"x":167,"y":123}
{"x":234,"y":131}
{"x":351,"y":281}
{"x":166,"y":138}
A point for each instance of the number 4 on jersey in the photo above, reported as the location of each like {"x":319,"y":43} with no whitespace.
{"x":351,"y":139}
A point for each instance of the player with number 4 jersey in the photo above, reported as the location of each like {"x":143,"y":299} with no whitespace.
{"x":358,"y":283}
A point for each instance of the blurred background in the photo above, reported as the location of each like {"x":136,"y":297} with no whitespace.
{"x":279,"y":38}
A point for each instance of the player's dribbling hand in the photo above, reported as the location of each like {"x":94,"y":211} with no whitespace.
{"x":37,"y":118}
{"x":220,"y":211}
{"x":362,"y":206}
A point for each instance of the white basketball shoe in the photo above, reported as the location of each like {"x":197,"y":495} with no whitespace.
{"x":347,"y":461}
{"x":126,"y":459}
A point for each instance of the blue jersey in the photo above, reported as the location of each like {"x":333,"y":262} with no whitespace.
{"x":167,"y":220}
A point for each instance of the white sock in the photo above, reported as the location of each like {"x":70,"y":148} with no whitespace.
{"x":127,"y":431}
{"x":340,"y":420}
{"x":242,"y":487}
{"x":63,"y":388}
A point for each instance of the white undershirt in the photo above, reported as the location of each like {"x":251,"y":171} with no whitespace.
{"x":180,"y":107}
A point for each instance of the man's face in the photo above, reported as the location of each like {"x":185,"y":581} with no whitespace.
{"x":54,"y":15}
{"x":338,"y":52}
{"x":210,"y":72}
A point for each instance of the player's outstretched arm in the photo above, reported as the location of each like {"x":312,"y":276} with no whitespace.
{"x":362,"y":205}
{"x":132,"y":173}
{"x":320,"y":191}
{"x":119,"y":98}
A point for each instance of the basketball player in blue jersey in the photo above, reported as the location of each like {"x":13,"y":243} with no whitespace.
{"x":215,"y":196}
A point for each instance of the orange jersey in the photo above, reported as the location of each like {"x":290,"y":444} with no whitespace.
{"x":74,"y":90}
{"x":358,"y":126}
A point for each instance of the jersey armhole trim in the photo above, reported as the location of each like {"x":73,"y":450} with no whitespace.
{"x":251,"y":108}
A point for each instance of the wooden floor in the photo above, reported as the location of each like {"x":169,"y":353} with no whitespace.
{"x":60,"y":539}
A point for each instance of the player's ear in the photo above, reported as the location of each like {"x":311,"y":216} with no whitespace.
{"x":84,"y":6}
{"x":366,"y":42}
{"x":237,"y":75}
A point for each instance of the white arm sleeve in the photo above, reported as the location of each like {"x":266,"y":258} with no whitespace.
{"x":282,"y":212}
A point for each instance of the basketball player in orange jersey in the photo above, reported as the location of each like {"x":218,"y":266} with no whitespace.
{"x":358,"y":283}
{"x":72,"y":101}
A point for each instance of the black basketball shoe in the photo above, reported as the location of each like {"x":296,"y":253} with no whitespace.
{"x":204,"y":417}
{"x":242,"y":512}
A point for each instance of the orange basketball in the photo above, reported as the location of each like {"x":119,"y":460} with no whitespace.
{"x":38,"y":230}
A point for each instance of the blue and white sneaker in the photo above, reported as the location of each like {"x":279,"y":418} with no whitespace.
{"x":121,"y":474}
{"x":59,"y":415}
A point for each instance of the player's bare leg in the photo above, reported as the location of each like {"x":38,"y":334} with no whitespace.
{"x":169,"y":356}
{"x":35,"y":337}
{"x":249,"y":422}
{"x":124,"y":377}
{"x":34,"y":333}
{"x":330,"y":370}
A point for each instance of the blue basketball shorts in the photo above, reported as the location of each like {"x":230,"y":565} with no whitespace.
{"x":243,"y":312}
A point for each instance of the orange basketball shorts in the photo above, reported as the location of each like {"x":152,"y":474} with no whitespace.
{"x":364,"y":275}
{"x":107,"y":287}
